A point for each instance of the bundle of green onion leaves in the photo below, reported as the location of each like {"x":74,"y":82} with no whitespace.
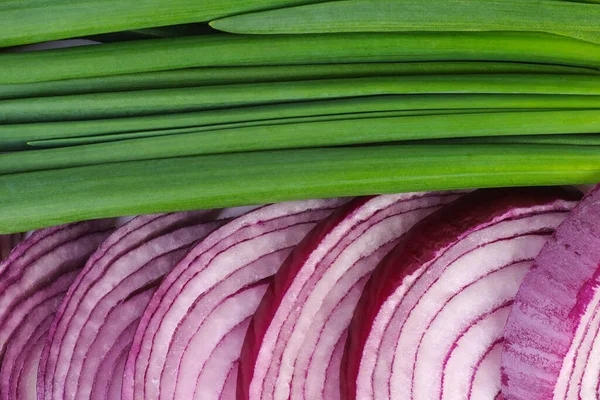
{"x":175,"y":104}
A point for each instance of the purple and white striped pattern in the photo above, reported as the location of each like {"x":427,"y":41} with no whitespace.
{"x":94,"y":326}
{"x":188,"y":342}
{"x":33,"y":282}
{"x":552,"y":346}
{"x":300,"y":352}
{"x":430,"y":322}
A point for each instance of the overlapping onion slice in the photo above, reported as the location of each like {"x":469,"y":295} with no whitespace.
{"x":188,"y":342}
{"x":552,"y":337}
{"x":429,"y":324}
{"x":294,"y":347}
{"x":33,"y":281}
{"x":94,"y":326}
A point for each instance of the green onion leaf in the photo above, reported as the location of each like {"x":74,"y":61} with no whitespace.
{"x":578,"y":20}
{"x":139,"y":103}
{"x":241,"y":50}
{"x":16,"y":136}
{"x":36,"y":199}
{"x":574,"y":140}
{"x":30,"y":21}
{"x":305,"y":135}
{"x":191,"y":77}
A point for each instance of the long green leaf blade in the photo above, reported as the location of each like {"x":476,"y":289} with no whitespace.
{"x":112,"y":105}
{"x":16,"y":136}
{"x":77,"y":141}
{"x":33,"y":21}
{"x":241,"y":50}
{"x":577,"y":20}
{"x":571,"y":140}
{"x":305,"y":135}
{"x":191,"y":77}
{"x":33,"y":200}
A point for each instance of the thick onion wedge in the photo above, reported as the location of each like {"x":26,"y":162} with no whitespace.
{"x":551,"y":348}
{"x":429,"y":323}
{"x":96,"y":321}
{"x":289,"y":349}
{"x":33,"y":281}
{"x":189,"y":339}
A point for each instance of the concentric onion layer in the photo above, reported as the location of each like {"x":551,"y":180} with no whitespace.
{"x":296,"y":355}
{"x":33,"y":282}
{"x":430,"y":323}
{"x":95,"y":323}
{"x":188,"y":342}
{"x":552,"y":339}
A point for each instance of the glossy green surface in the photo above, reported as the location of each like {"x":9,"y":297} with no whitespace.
{"x":149,"y":102}
{"x":36,"y":199}
{"x":578,"y":20}
{"x":252,"y":50}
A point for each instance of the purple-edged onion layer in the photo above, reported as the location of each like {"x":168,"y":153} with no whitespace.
{"x":33,"y":281}
{"x":94,"y":326}
{"x":552,"y":337}
{"x":293,"y":349}
{"x":188,"y":342}
{"x":429,"y":324}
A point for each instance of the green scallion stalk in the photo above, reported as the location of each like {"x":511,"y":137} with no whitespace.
{"x":15,"y":137}
{"x":191,"y":77}
{"x":241,"y":50}
{"x":78,"y":141}
{"x":30,"y":21}
{"x":578,"y":20}
{"x":306,"y":135}
{"x":148,"y":102}
{"x":37,"y":199}
{"x":572,"y":140}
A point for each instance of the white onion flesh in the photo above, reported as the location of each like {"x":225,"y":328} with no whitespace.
{"x":94,"y":322}
{"x":307,"y":320}
{"x":431,"y":319}
{"x":33,"y":282}
{"x":189,"y":340}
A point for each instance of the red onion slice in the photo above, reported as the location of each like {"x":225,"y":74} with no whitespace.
{"x":430,"y":319}
{"x":288,"y":352}
{"x":108,"y":297}
{"x":552,"y":338}
{"x":33,"y":281}
{"x":189,"y":338}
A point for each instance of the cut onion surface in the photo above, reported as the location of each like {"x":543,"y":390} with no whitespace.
{"x":293,"y":349}
{"x":429,"y":324}
{"x":188,"y":342}
{"x":552,"y":338}
{"x":33,"y":281}
{"x":9,"y":242}
{"x":94,"y":326}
